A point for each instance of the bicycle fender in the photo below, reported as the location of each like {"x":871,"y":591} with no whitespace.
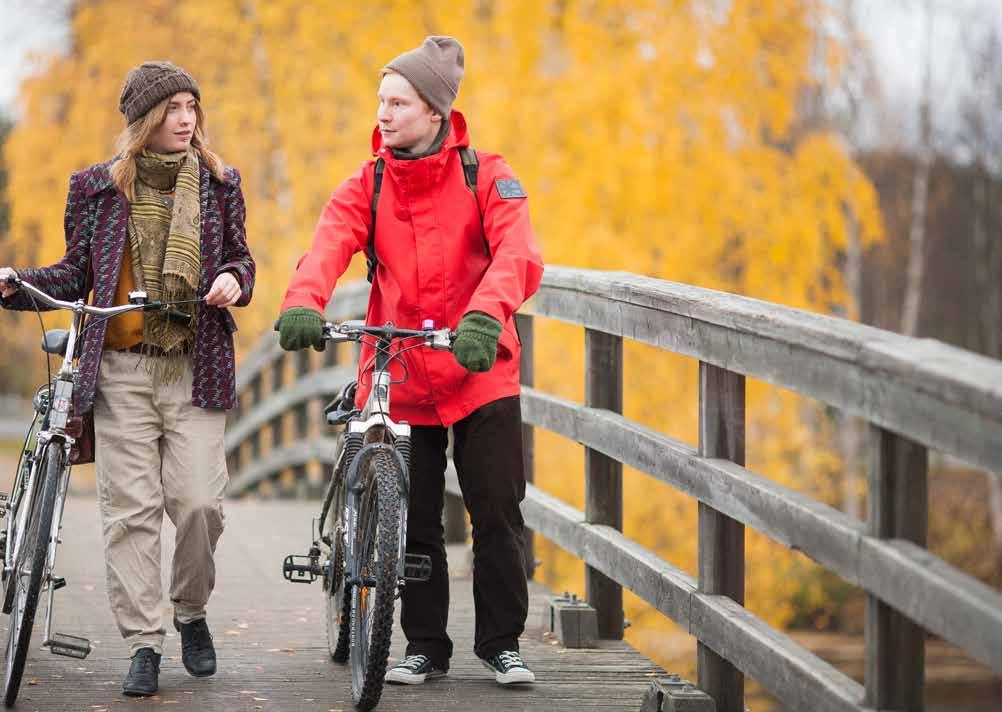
{"x":403,"y":485}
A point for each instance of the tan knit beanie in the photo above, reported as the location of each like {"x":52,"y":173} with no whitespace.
{"x":149,"y":84}
{"x":435,"y":70}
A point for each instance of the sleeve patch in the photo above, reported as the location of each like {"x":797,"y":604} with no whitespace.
{"x":508,"y":189}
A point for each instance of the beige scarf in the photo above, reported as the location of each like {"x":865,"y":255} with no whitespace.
{"x":164,"y":230}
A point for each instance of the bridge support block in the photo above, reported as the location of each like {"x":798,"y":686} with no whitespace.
{"x":673,"y":694}
{"x":572,"y":621}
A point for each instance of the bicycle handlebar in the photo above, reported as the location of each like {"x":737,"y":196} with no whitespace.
{"x":438,"y":339}
{"x":79,"y":305}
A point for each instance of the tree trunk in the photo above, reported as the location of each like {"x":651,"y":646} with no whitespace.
{"x":920,"y":197}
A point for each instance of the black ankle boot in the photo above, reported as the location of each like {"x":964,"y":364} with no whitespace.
{"x":143,"y":674}
{"x":197,"y":653}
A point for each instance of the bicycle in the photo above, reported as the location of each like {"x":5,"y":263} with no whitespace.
{"x":34,"y":507}
{"x":362,"y":528}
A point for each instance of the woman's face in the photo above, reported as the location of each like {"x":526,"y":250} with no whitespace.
{"x":405,"y":120}
{"x":174,"y":134}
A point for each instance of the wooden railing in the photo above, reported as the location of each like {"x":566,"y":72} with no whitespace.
{"x":917,"y":395}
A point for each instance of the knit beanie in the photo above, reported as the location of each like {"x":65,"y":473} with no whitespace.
{"x":434,"y":69}
{"x":149,"y":84}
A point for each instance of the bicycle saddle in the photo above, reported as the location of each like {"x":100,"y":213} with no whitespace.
{"x":340,"y":410}
{"x":55,"y":341}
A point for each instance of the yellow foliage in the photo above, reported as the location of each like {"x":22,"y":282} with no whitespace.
{"x":655,"y":137}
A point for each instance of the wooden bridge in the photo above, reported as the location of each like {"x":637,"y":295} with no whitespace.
{"x":917,"y":395}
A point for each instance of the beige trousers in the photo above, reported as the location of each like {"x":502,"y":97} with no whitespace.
{"x":156,"y":452}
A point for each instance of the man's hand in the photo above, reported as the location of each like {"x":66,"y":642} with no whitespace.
{"x":476,"y":344}
{"x":300,"y":327}
{"x":7,"y":288}
{"x":225,"y":291}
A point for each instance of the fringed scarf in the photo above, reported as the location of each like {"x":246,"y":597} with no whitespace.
{"x":164,"y":228}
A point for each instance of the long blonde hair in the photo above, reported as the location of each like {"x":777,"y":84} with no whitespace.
{"x":135,"y":136}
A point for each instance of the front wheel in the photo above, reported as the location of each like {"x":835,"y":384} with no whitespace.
{"x":377,"y":541}
{"x":26,"y":576}
{"x":337,"y":602}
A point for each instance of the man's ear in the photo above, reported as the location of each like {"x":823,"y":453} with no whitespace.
{"x":436,"y":117}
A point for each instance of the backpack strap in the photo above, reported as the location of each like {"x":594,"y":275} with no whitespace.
{"x":371,"y":260}
{"x":471,"y":167}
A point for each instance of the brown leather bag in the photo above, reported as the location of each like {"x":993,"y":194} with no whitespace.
{"x":81,"y":427}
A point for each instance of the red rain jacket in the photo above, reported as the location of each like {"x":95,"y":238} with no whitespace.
{"x":433,"y":264}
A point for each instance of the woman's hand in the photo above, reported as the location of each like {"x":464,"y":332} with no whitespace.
{"x":225,"y":291}
{"x":6,"y":288}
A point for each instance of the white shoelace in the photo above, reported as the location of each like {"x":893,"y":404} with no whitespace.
{"x":510,"y":659}
{"x":412,"y":662}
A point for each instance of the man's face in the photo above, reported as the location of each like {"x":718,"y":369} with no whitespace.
{"x":405,"y":120}
{"x":175,"y":133}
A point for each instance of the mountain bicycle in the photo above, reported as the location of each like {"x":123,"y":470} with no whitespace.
{"x":34,"y":507}
{"x":359,"y":549}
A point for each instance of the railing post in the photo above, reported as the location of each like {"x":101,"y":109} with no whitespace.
{"x":721,"y":539}
{"x":603,"y":475}
{"x":898,"y":508}
{"x":527,"y":376}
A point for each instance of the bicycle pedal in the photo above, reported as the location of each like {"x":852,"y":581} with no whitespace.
{"x":417,"y":567}
{"x":72,"y":646}
{"x":307,"y":572}
{"x":57,"y":582}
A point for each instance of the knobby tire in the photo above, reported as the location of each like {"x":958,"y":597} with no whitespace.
{"x":379,"y":538}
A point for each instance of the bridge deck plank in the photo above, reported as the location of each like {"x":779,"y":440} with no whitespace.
{"x":271,"y":641}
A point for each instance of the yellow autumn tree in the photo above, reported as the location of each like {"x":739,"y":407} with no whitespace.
{"x":657,"y":137}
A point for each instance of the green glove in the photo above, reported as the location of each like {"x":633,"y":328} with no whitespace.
{"x":300,"y":327}
{"x":476,"y":344}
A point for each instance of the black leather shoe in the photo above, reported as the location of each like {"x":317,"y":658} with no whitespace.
{"x":197,"y":652}
{"x":143,"y":674}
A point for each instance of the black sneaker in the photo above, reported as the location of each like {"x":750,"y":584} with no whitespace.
{"x":143,"y":674}
{"x":197,"y":652}
{"x":413,"y":670}
{"x":508,"y":667}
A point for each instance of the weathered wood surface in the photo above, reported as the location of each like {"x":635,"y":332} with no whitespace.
{"x":603,"y":474}
{"x":943,"y":397}
{"x":721,"y":538}
{"x":942,"y":599}
{"x":271,"y":644}
{"x":799,"y":679}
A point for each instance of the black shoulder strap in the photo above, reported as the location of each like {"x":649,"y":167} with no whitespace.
{"x":371,"y":261}
{"x":471,"y":167}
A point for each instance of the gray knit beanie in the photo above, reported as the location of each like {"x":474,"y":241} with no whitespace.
{"x":435,"y":70}
{"x":149,"y":84}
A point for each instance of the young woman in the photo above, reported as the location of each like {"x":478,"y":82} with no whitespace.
{"x":164,"y":216}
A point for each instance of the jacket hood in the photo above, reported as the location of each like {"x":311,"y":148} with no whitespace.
{"x":458,"y":136}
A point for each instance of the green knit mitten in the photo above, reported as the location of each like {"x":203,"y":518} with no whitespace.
{"x":476,"y":344}
{"x":300,"y":327}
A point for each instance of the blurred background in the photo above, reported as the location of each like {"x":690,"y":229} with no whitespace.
{"x":838,"y":156}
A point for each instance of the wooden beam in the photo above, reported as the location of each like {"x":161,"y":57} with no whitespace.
{"x":898,"y":508}
{"x":943,"y":397}
{"x":603,"y":474}
{"x":721,"y":539}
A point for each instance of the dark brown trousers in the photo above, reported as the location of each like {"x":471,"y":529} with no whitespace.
{"x":487,"y":451}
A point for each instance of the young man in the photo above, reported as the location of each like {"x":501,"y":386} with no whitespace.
{"x":167,"y":217}
{"x":459,"y":258}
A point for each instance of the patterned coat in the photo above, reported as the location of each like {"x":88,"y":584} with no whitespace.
{"x":96,"y":217}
